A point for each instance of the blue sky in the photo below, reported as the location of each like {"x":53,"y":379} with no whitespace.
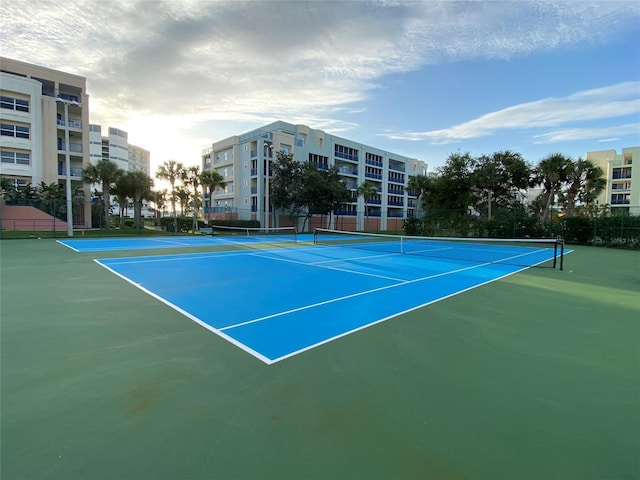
{"x":422,"y":79}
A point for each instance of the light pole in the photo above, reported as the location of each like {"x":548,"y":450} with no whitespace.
{"x":268,"y":149}
{"x":67,"y":154}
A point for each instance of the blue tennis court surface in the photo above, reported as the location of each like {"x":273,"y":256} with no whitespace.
{"x":276,"y":303}
{"x":143,"y":243}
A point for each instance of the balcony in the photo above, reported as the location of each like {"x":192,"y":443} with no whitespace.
{"x":395,"y":214}
{"x":375,"y":176}
{"x":75,"y":172}
{"x":73,"y":147}
{"x":396,"y":179}
{"x":346,"y":156}
{"x":348,"y":170}
{"x":320,"y":166}
{"x":397,"y":167}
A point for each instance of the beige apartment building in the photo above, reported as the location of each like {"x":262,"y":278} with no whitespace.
{"x":623,"y":179}
{"x":245,"y":162}
{"x":44,"y":115}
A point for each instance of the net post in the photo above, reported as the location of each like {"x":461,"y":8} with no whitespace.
{"x":561,"y":254}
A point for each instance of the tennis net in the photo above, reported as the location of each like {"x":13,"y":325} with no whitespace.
{"x":278,"y":234}
{"x":520,"y":252}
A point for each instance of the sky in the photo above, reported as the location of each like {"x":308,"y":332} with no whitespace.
{"x":422,"y":79}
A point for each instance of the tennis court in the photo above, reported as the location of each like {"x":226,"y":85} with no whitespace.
{"x":534,"y":375}
{"x":283,"y":301}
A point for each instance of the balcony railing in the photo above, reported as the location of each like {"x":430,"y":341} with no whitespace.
{"x":75,"y":172}
{"x":375,"y":163}
{"x":349,"y":213}
{"x":73,"y":147}
{"x":348,"y":170}
{"x":346,"y":156}
{"x":373,"y":175}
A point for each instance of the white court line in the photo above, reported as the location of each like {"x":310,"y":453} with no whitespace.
{"x":232,"y":340}
{"x":68,"y":246}
{"x":173,"y":242}
{"x":367,"y":292}
{"x":329,"y":268}
{"x":174,"y":258}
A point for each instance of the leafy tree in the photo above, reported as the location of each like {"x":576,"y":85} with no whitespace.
{"x":450,"y":194}
{"x":367,"y":190}
{"x":286,"y":184}
{"x":322,"y":191}
{"x":171,"y":171}
{"x":212,"y":179}
{"x":497,"y":178}
{"x":105,"y":172}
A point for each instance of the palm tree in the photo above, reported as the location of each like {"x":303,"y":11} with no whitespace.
{"x":159,"y":198}
{"x":107,"y":173}
{"x":418,"y":184}
{"x":211,"y":179}
{"x":172,"y":172}
{"x":585,"y":182}
{"x":191,"y":177}
{"x":184,"y":196}
{"x":367,"y":190}
{"x":52,"y":197}
{"x":551,"y":173}
{"x":140,"y":184}
{"x":122,"y":192}
{"x":7,"y":189}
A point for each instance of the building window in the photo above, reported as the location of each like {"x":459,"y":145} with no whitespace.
{"x":17,"y":131}
{"x":17,"y":104}
{"x":15,"y":158}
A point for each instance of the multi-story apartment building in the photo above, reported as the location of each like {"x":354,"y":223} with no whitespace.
{"x":139,"y":159}
{"x":116,"y":147}
{"x":245,"y":163}
{"x":45,"y":121}
{"x":623,"y":180}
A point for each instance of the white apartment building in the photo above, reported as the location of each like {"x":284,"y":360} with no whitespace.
{"x":115,"y":147}
{"x":244,"y":162}
{"x":623,"y":180}
{"x":44,"y":116}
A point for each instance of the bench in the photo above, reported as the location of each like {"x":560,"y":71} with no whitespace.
{"x":206,"y":231}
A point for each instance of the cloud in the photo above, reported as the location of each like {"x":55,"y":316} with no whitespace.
{"x":599,"y":134}
{"x":228,"y":59}
{"x":213,"y":66}
{"x":596,"y":104}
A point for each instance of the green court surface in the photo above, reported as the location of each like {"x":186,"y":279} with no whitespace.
{"x":535,"y":376}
